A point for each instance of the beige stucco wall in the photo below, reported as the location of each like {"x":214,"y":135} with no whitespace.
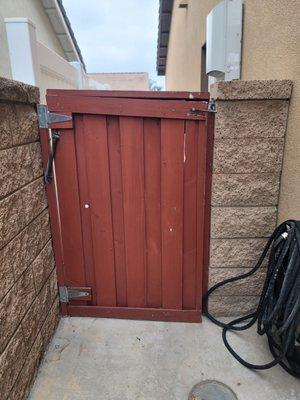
{"x":271,"y":37}
{"x":271,"y":51}
{"x":123,"y":81}
{"x":187,"y":35}
{"x":33,"y":10}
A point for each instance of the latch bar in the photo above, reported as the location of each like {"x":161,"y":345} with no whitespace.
{"x":48,"y":174}
{"x":210,"y":108}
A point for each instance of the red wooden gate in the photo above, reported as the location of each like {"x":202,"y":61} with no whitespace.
{"x":129,"y":204}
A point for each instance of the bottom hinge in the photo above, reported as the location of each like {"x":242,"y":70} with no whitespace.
{"x":74,"y":293}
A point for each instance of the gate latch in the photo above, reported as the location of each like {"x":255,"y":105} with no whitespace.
{"x":47,"y":118}
{"x":74,"y":293}
{"x":212,"y":107}
{"x":195,"y":112}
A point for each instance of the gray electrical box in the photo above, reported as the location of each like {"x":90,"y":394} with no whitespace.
{"x":224,"y":40}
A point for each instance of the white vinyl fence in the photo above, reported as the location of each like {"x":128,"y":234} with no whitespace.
{"x":34,"y":63}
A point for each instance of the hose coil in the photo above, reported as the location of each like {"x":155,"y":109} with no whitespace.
{"x":278,"y":311}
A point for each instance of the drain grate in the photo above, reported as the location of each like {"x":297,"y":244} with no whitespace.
{"x":211,"y":390}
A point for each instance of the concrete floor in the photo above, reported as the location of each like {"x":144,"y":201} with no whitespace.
{"x":107,"y":359}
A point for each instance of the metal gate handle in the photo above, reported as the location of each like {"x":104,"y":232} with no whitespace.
{"x":48,"y":176}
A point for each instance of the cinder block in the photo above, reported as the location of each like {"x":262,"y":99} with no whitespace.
{"x":251,"y":286}
{"x":255,"y":119}
{"x":36,"y":159}
{"x":245,"y":189}
{"x":34,"y":200}
{"x":14,"y":306}
{"x":11,"y":217}
{"x":6,"y":115}
{"x":50,"y":323}
{"x":36,"y":315}
{"x":23,"y":249}
{"x":6,"y":272}
{"x":242,"y":222}
{"x":18,"y":167}
{"x":235,"y":253}
{"x":232,"y":306}
{"x":20,"y":208}
{"x":53,"y":285}
{"x":252,"y":90}
{"x":18,"y":92}
{"x":42,"y":266}
{"x":23,"y":384}
{"x":247,"y":156}
{"x":11,"y":362}
{"x":25,"y":128}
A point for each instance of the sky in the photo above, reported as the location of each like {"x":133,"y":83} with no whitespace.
{"x":116,"y":35}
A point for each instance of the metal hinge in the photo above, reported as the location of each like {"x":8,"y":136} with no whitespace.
{"x":66,"y":294}
{"x":47,"y":118}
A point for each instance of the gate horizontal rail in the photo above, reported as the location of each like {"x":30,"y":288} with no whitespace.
{"x":176,"y":109}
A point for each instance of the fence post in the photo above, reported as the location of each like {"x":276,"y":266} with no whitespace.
{"x":22,"y":47}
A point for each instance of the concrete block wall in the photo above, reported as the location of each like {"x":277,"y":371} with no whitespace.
{"x":28,"y":290}
{"x":250,"y":127}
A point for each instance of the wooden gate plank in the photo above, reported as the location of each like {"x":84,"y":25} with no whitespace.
{"x":115,"y":165}
{"x":87,"y":236}
{"x":131,"y":130}
{"x":190,"y":214}
{"x":95,"y":143}
{"x":172,"y":146}
{"x":208,"y":132}
{"x":69,"y":210}
{"x":152,"y":151}
{"x":201,"y":193}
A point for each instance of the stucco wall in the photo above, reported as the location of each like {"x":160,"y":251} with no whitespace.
{"x":33,"y":10}
{"x":187,"y":35}
{"x":28,"y":288}
{"x":271,"y":37}
{"x":123,"y":81}
{"x":271,"y":51}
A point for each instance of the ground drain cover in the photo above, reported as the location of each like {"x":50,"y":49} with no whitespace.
{"x":211,"y":390}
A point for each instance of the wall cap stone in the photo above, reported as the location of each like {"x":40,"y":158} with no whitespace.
{"x":251,"y":90}
{"x":14,"y":91}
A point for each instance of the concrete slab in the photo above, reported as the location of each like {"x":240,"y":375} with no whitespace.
{"x":107,"y":359}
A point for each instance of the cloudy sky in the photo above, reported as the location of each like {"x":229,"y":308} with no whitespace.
{"x":116,"y":35}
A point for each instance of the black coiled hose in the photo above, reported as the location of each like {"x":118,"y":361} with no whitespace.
{"x":278,"y":312}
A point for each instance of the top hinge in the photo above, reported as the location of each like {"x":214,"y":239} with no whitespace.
{"x":47,"y":118}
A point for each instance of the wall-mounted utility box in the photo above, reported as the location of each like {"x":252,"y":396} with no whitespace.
{"x":224,"y":40}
